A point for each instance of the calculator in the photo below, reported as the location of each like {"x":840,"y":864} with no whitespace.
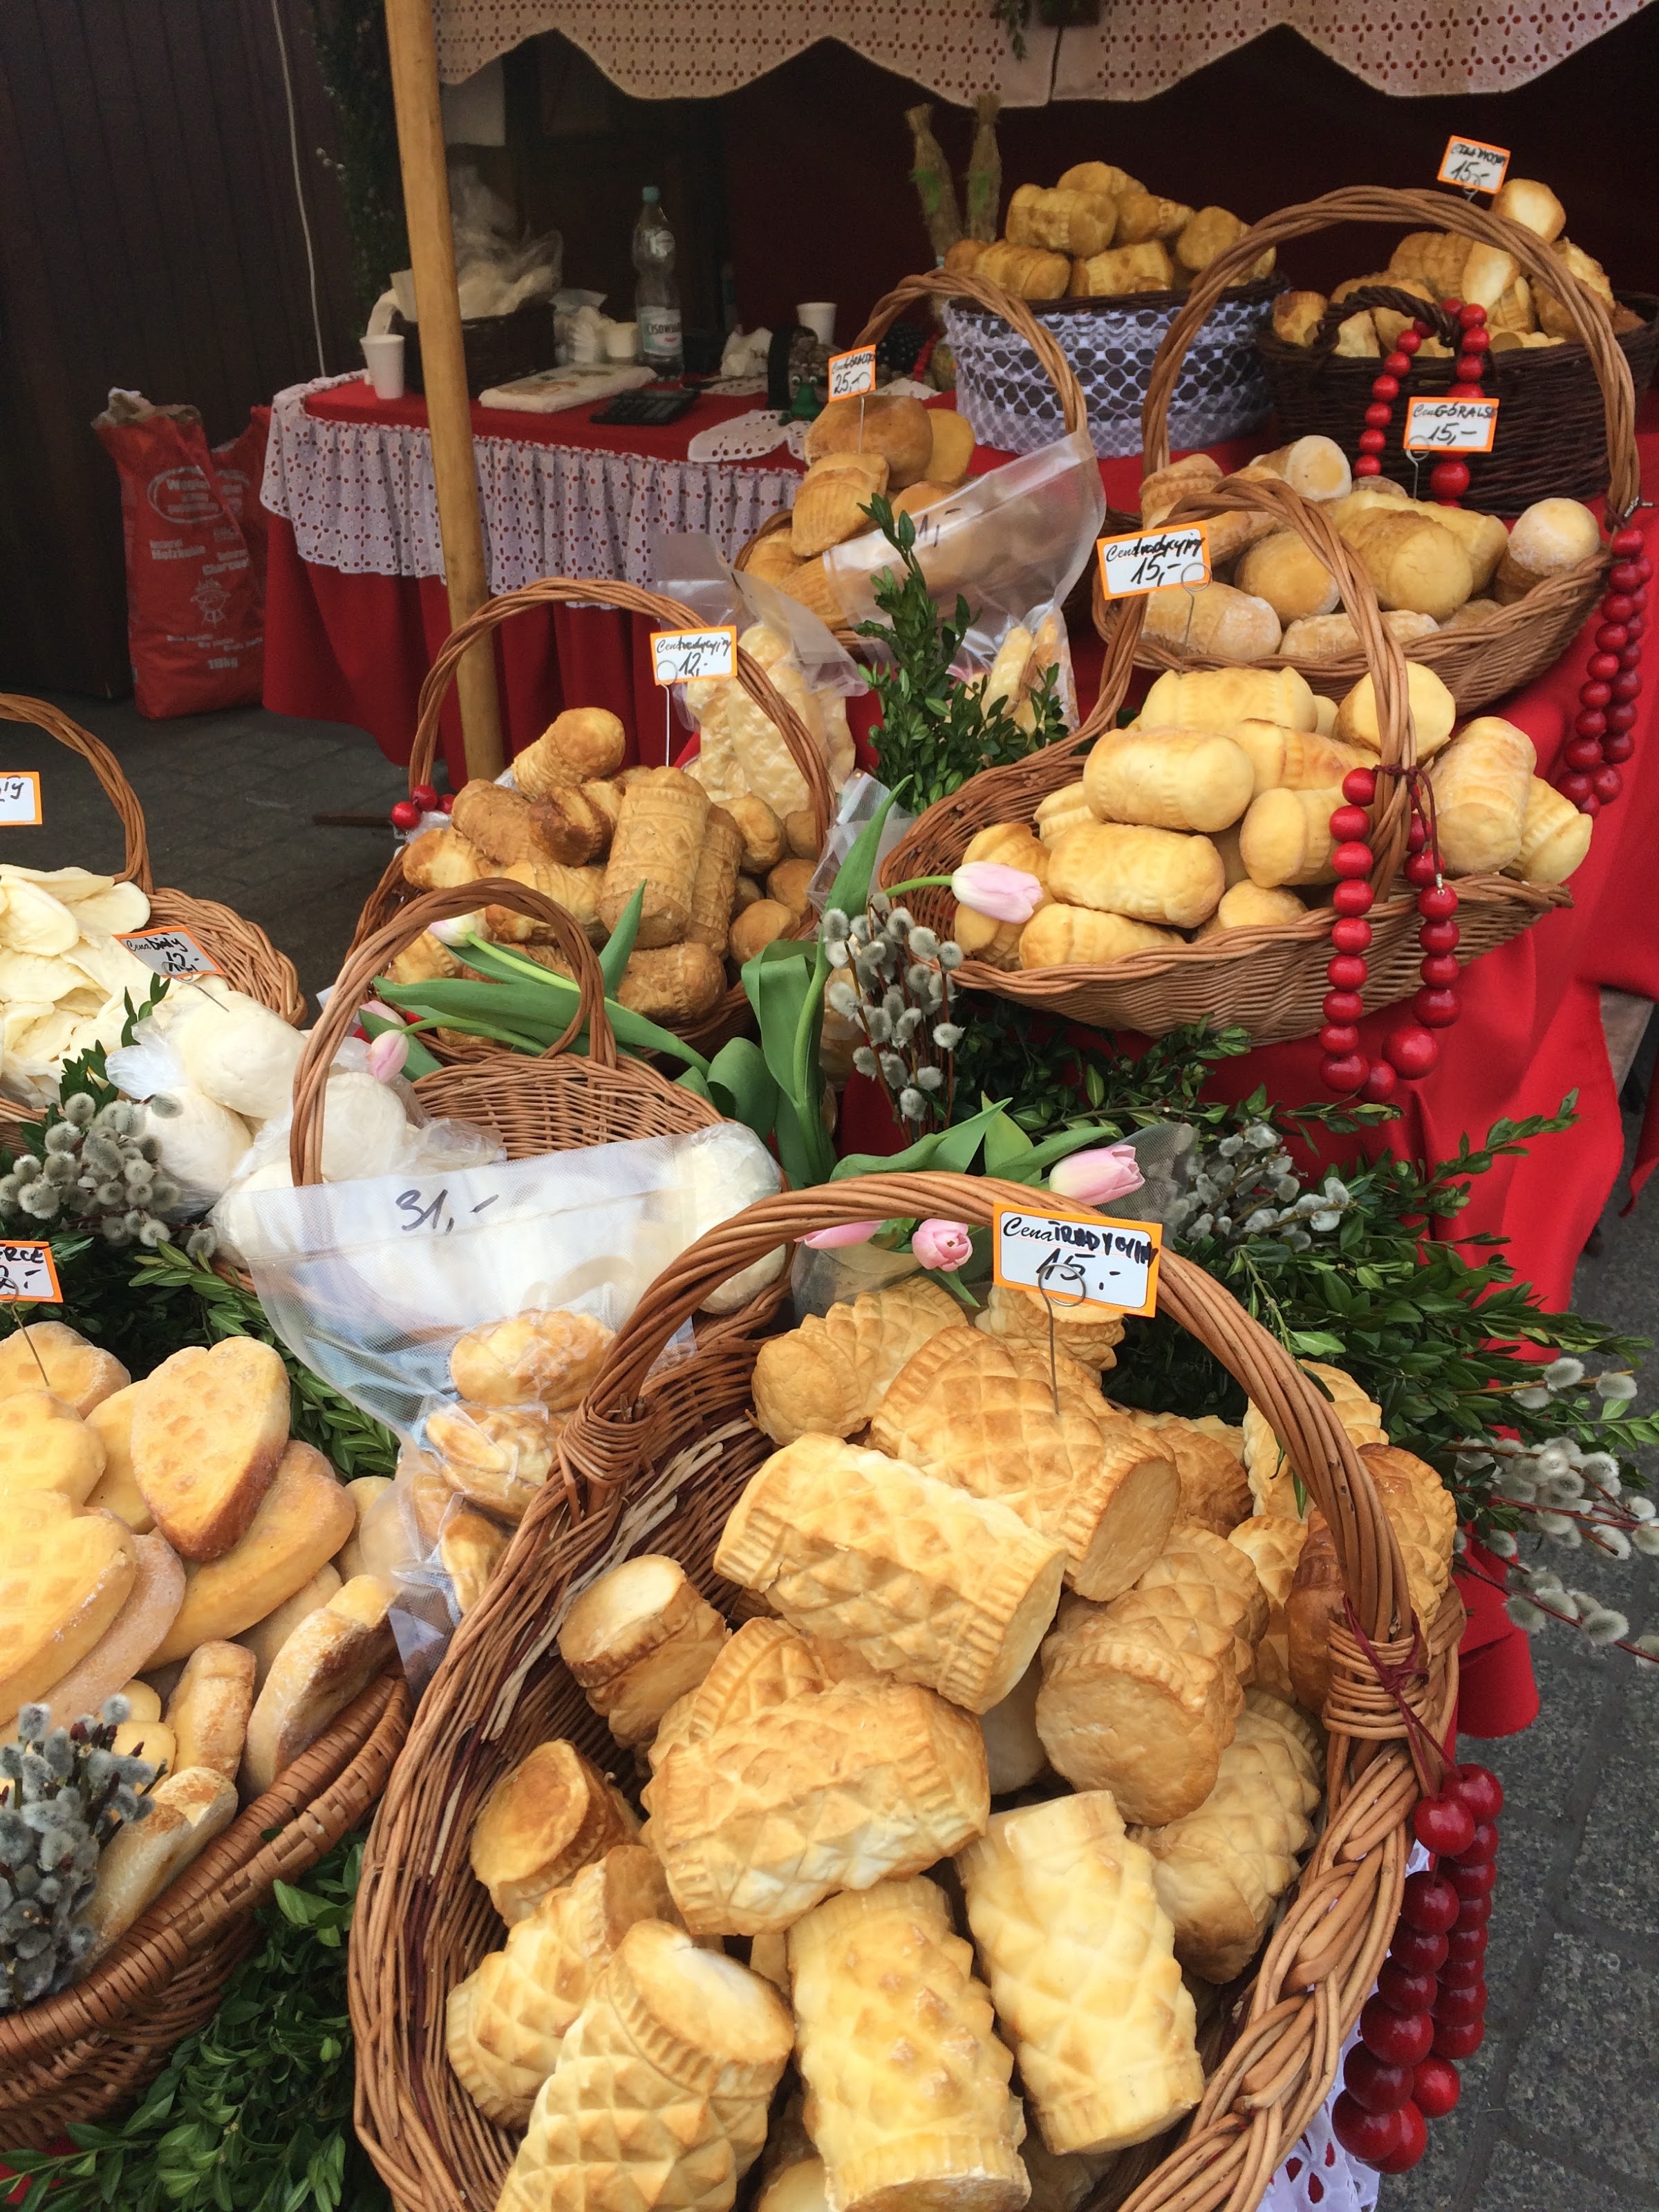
{"x":646,"y":407}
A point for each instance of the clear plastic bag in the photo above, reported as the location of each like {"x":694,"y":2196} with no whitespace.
{"x":688,"y":566}
{"x":496,"y":272}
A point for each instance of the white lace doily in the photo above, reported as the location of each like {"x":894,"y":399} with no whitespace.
{"x":745,"y":438}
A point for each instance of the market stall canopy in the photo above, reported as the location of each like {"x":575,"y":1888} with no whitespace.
{"x":956,"y":48}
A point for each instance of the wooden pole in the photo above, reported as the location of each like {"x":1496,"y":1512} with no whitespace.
{"x":414,"y":51}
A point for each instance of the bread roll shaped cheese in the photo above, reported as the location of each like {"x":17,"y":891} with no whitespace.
{"x":576,"y":890}
{"x":1076,"y":936}
{"x":208,"y":1710}
{"x":1212,"y":620}
{"x":1433,"y":712}
{"x":672,"y":984}
{"x":115,"y":1490}
{"x":1285,"y":571}
{"x":1215,"y":1491}
{"x":64,"y":1577}
{"x":827,"y":1377}
{"x":658,"y":843}
{"x":925,"y":1582}
{"x":266,"y":1637}
{"x":637,"y":1639}
{"x":1124,"y":269}
{"x":438,"y":859}
{"x":545,"y":1356}
{"x":1294,"y":760}
{"x":1316,"y":466}
{"x":907,"y":2096}
{"x":765,"y":1663}
{"x":1060,"y":811}
{"x":1482,"y":536}
{"x":188,"y":1809}
{"x":1482,"y":781}
{"x":1232,"y":861}
{"x":1192,"y":475}
{"x":829,"y":506}
{"x":1105,"y":177}
{"x":1272,"y":1544}
{"x":952,"y":451}
{"x":80,"y":1373}
{"x":582,"y":744}
{"x":1334,"y":638}
{"x":1549,"y":537}
{"x":1254,"y":906}
{"x":331,"y":1658}
{"x":1554,"y":836}
{"x":1297,"y":315}
{"x":544,"y":1820}
{"x":1166,"y":779}
{"x":1533,"y":205}
{"x":1411,"y":563}
{"x":761,"y":833}
{"x":45,"y":1445}
{"x":897,"y":428}
{"x":1150,"y":875}
{"x":1142,"y":214}
{"x":994,"y":944}
{"x":1285,"y":837}
{"x":1020,"y":1316}
{"x":1221,"y":698}
{"x":1080,"y":1958}
{"x":207,"y":1437}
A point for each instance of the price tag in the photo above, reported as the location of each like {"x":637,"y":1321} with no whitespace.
{"x":1450,"y":426}
{"x":28,"y":1275}
{"x":19,"y":800}
{"x":170,"y":952}
{"x":1147,"y":559}
{"x":422,"y":1211}
{"x":1472,"y":166}
{"x":679,"y":656}
{"x":852,"y":373}
{"x":1080,"y":1266}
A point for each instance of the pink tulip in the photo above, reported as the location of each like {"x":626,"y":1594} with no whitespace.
{"x":1002,"y":894}
{"x":848,"y":1232}
{"x":386,"y":1054}
{"x":381,"y":1011}
{"x":1108,"y":1171}
{"x":943,"y":1245}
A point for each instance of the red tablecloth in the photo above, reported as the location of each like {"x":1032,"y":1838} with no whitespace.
{"x":354,"y":649}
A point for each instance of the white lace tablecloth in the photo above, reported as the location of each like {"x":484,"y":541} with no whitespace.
{"x":359,"y":498}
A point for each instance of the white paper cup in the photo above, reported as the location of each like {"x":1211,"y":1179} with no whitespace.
{"x":622,"y":342}
{"x":385,"y":357}
{"x":819,"y":318}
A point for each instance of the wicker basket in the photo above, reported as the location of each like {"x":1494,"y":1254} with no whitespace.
{"x":245,"y":956}
{"x":1484,"y":660}
{"x":942,"y":284}
{"x":1269,"y":981}
{"x":688,"y":1443}
{"x":1552,"y":437}
{"x":81,"y":2055}
{"x":732,"y":1013}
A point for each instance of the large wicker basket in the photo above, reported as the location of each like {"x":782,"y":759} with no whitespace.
{"x":943,"y":284}
{"x":673,"y":1459}
{"x":81,"y":2055}
{"x":731,"y":1013}
{"x":1269,"y":981}
{"x":1481,"y":661}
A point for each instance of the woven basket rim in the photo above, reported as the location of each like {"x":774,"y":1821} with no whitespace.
{"x":1258,"y":290}
{"x":1517,"y":361}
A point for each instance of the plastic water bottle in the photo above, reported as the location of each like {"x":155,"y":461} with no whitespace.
{"x":656,"y":294}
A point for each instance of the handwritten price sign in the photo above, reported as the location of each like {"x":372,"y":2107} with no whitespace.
{"x":1472,"y":166}
{"x":170,"y":952}
{"x":20,"y":800}
{"x":680,"y":656}
{"x":1450,"y":426}
{"x":1078,"y":1267}
{"x":1148,"y":560}
{"x":28,"y":1275}
{"x":424,"y":1209}
{"x":852,"y":373}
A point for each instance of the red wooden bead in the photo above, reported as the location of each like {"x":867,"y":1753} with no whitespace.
{"x":1471,"y":1880}
{"x":1350,"y":822}
{"x":1419,"y":1948}
{"x":1583,"y":753}
{"x":1428,"y":1902}
{"x":1626,"y":688}
{"x":1368,"y":466}
{"x":1450,"y":480}
{"x":1451,"y":307}
{"x":1436,"y":1009}
{"x":1421,"y":868}
{"x":1485,"y":1846}
{"x":1602,"y":667}
{"x":1595,"y":695}
{"x":1346,"y":972}
{"x":1471,"y":316}
{"x":1643,"y":568}
{"x":1621,"y":717}
{"x":1414,"y":2141}
{"x":1343,"y":1006}
{"x":1412,"y":1052}
{"x":1630,"y":656}
{"x":1339,"y":1039}
{"x":1451,"y":2042}
{"x":447,"y":803}
{"x":1635,"y":628}
{"x":1612,"y":637}
{"x":1618,"y":745}
{"x":1474,"y":1912}
{"x":1378,"y":416}
{"x":1618,"y":606}
{"x":1477,"y":341}
{"x":1343,"y":1073}
{"x":1607,"y":784}
{"x":1576,"y":788}
{"x":425,"y":796}
{"x":1386,"y":387}
{"x":1590,"y":722}
{"x":1370,"y":2136}
{"x":1371,"y":442}
{"x":1639,"y":598}
{"x":1592,"y":805}
{"x":1359,"y":785}
{"x":1408,"y":340}
{"x":1417,"y":833}
{"x":1626,"y":544}
{"x":1440,"y":968}
{"x":1378,"y":1090}
{"x":1351,"y":932}
{"x":1466,"y":1947}
{"x":1435,"y":2088}
{"x":1397,"y":364}
{"x":1438,"y":936}
{"x":1405,"y":1990}
{"x":1353,"y":860}
{"x":1352,"y":897}
{"x":1469,"y":366}
{"x":1402,"y":2038}
{"x":1438,"y":903}
{"x":405,"y":815}
{"x":1625,"y":576}
{"x":1460,"y":1974}
{"x":1372,"y":2082}
{"x":1458,"y":2007}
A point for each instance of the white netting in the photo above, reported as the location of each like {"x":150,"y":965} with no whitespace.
{"x":1005,"y":392}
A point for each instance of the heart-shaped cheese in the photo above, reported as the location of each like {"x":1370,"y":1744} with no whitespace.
{"x":64,"y":1577}
{"x":49,"y":1355}
{"x":44,"y":1445}
{"x":208,"y":1433}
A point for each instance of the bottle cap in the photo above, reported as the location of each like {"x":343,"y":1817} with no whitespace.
{"x":651,"y":194}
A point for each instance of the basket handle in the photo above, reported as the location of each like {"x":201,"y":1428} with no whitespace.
{"x":305,"y":1143}
{"x":15,"y":706}
{"x":1420,"y":210}
{"x":632,"y":599}
{"x":601,"y":1445}
{"x":955,"y":284}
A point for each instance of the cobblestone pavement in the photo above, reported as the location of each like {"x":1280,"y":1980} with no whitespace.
{"x":1558,"y":2111}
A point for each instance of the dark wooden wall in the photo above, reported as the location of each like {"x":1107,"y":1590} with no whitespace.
{"x":149,"y":238}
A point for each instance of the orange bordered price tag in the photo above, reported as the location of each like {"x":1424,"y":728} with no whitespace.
{"x":1450,"y":426}
{"x":170,"y":952}
{"x":1472,"y":166}
{"x":682,"y":656}
{"x":19,"y":800}
{"x":852,"y":375}
{"x":28,"y":1275}
{"x":1150,"y":560}
{"x":1085,"y":1268}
